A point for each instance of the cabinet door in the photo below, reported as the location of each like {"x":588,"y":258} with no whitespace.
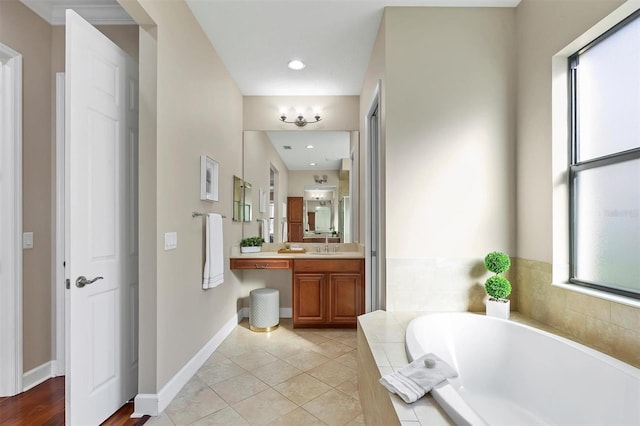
{"x":294,"y":209}
{"x":295,"y":234}
{"x":345,"y":298}
{"x":309,"y":299}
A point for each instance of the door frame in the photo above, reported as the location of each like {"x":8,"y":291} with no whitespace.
{"x":11,"y":290}
{"x":375,"y":283}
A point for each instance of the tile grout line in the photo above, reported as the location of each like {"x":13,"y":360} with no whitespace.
{"x":238,"y":340}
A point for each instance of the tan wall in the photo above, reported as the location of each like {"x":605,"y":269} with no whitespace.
{"x":449,"y":152}
{"x":563,"y":21}
{"x":28,"y":34}
{"x":199,"y":112}
{"x":605,"y":325}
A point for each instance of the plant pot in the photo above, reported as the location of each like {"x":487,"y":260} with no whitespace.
{"x":250,"y":249}
{"x":498,"y":308}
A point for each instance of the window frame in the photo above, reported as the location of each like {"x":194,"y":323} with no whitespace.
{"x":575,"y":166}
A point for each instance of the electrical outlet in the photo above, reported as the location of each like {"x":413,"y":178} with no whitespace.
{"x":170,"y":240}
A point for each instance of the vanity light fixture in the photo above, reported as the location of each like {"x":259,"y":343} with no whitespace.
{"x":300,"y":121}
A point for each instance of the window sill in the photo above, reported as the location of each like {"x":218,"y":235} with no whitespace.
{"x":599,"y":294}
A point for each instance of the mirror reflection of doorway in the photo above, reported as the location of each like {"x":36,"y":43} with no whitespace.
{"x":323,"y":219}
{"x":311,"y":220}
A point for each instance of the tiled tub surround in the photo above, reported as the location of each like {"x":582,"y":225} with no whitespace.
{"x":381,"y":350}
{"x":452,"y":285}
{"x":440,"y":285}
{"x":606,"y":326}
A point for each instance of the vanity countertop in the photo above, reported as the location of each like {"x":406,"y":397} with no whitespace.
{"x":270,"y":251}
{"x":307,"y":255}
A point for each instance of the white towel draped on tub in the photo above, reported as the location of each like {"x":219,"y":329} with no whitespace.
{"x":416,"y":379}
{"x":213,"y":274}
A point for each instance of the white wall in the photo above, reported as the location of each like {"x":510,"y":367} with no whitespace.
{"x":449,"y":150}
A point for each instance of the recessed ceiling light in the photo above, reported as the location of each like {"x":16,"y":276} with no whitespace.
{"x":309,"y":146}
{"x":296,"y":65}
{"x":312,"y":164}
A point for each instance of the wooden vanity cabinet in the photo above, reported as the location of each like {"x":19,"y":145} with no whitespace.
{"x":327,"y":292}
{"x":260,"y":263}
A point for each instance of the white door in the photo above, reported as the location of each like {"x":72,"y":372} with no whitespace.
{"x":101,"y":245}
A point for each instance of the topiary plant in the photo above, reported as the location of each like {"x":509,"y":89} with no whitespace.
{"x":497,"y":262}
{"x":497,"y":287}
{"x":252,"y":242}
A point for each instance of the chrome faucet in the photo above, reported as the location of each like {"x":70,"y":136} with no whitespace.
{"x":326,"y":243}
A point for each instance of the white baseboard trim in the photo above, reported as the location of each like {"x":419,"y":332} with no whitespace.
{"x":153,"y":404}
{"x":34,"y":377}
{"x":145,"y":404}
{"x":284,"y":313}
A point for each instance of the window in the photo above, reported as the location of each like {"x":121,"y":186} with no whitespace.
{"x":604,"y":169}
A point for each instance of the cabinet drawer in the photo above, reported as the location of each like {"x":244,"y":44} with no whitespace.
{"x":260,"y":263}
{"x":327,"y":265}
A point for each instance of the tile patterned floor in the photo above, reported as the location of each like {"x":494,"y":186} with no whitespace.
{"x":286,"y":377}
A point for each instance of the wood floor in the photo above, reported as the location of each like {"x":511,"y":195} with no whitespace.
{"x":44,"y":406}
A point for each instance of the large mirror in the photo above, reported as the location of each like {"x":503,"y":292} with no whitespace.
{"x":314,"y":166}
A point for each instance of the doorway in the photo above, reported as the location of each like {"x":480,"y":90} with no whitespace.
{"x":374,"y":208}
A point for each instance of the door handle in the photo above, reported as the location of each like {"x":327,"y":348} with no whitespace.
{"x":82,"y":281}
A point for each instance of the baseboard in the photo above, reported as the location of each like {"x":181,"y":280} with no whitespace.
{"x":153,"y":404}
{"x":284,"y":313}
{"x":145,"y":404}
{"x":34,"y":377}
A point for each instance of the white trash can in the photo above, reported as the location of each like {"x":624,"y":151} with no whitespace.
{"x":264,"y":312}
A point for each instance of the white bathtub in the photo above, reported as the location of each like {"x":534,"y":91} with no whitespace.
{"x":512,"y":374}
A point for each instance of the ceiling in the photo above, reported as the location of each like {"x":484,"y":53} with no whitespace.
{"x":334,"y":38}
{"x":257,"y":38}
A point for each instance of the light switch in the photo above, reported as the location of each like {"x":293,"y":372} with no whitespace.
{"x":27,"y":240}
{"x":170,"y":240}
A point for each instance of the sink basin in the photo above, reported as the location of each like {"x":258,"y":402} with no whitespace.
{"x":322,"y":253}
